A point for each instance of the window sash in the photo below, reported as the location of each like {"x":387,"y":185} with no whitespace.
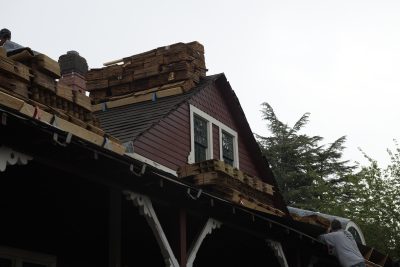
{"x":200,"y":139}
{"x":227,"y":148}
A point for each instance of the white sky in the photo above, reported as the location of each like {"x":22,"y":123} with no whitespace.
{"x":338,"y":59}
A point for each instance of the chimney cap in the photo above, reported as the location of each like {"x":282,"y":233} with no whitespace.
{"x":73,"y":52}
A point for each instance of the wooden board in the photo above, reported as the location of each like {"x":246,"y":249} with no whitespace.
{"x":16,"y":86}
{"x":60,"y":123}
{"x":82,"y":100}
{"x":138,"y":98}
{"x":43,"y":80}
{"x":65,"y":92}
{"x":17,"y":69}
{"x":218,"y":166}
{"x":10,"y":101}
{"x":48,"y":65}
{"x":238,"y":197}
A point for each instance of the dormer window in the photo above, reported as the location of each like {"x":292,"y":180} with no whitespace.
{"x":201,"y":132}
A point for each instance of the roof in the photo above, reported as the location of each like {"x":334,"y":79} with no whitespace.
{"x":127,"y":122}
{"x":345,"y":222}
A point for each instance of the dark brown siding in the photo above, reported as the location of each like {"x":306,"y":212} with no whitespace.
{"x":211,"y":101}
{"x":168,"y":142}
{"x":215,"y":135}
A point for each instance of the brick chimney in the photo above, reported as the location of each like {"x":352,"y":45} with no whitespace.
{"x":73,"y":71}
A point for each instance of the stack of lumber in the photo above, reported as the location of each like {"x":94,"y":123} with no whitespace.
{"x":231,"y":184}
{"x":149,"y":70}
{"x":312,"y":219}
{"x":35,"y":111}
{"x":34,"y":78}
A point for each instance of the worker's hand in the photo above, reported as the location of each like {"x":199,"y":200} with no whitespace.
{"x":329,"y":229}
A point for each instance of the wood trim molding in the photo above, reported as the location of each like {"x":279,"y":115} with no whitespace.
{"x":222,"y":127}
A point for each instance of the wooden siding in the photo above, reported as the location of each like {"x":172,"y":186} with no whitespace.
{"x":168,"y":142}
{"x":215,"y":135}
{"x":211,"y":101}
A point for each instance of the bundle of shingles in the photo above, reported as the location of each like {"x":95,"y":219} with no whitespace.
{"x":179,"y":65}
{"x":231,"y":184}
{"x":34,"y":78}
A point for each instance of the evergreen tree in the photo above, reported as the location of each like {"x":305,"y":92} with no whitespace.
{"x":306,"y":171}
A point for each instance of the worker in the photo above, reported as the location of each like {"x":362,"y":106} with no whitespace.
{"x":5,"y":35}
{"x":343,"y":245}
{"x":10,"y":46}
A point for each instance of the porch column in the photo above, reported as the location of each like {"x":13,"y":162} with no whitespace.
{"x":114,"y":238}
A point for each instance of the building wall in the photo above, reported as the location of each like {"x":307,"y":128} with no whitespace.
{"x":212,"y":102}
{"x":168,"y":142}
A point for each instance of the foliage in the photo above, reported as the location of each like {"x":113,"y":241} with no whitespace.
{"x":375,"y":203}
{"x":314,"y":177}
{"x":305,"y":170}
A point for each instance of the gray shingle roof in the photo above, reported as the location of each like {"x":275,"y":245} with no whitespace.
{"x":127,"y":122}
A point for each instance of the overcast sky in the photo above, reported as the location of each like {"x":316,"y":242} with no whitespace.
{"x":338,"y":60}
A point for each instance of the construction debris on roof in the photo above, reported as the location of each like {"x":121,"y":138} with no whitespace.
{"x":30,"y":86}
{"x":232,"y":184}
{"x":159,"y":72}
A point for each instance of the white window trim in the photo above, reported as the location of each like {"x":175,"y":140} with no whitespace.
{"x":222,"y":127}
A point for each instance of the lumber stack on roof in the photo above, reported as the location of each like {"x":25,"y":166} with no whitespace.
{"x":34,"y":80}
{"x":232,"y":184}
{"x":312,"y":219}
{"x":150,"y":70}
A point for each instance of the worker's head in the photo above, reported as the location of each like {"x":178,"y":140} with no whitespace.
{"x":5,"y":34}
{"x":336,"y":225}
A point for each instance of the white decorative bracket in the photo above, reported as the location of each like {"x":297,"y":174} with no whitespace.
{"x":8,"y":156}
{"x":278,"y":251}
{"x":146,"y":209}
{"x":207,"y":229}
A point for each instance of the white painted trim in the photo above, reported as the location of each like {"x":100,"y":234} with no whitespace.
{"x":210,"y":225}
{"x":146,"y":209}
{"x":8,"y":156}
{"x":211,"y":121}
{"x":355,"y":226}
{"x":151,"y":163}
{"x":278,"y":251}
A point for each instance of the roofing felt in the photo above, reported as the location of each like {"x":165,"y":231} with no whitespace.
{"x":127,"y":122}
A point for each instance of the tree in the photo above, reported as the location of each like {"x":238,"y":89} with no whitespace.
{"x":315,"y":177}
{"x":374,"y":203}
{"x":305,"y":170}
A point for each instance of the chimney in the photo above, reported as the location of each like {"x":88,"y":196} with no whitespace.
{"x":73,"y":71}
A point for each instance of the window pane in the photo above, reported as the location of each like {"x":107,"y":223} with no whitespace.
{"x":200,"y":153}
{"x":200,"y":131}
{"x":200,"y":139}
{"x":227,"y":148}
